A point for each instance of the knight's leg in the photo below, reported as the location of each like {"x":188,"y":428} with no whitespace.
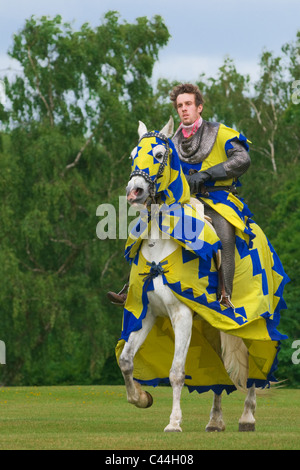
{"x":135,"y":394}
{"x":247,"y":420}
{"x":226,"y":233}
{"x":216,"y":422}
{"x":182,"y":319}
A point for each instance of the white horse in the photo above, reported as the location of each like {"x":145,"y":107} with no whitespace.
{"x":163,"y":303}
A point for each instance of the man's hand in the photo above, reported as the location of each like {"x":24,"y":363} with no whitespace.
{"x":196,"y":180}
{"x":214,"y":173}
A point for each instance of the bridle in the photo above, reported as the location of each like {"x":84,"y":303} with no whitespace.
{"x":152,"y":183}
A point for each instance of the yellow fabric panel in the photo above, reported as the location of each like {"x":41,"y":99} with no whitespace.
{"x":218,"y":154}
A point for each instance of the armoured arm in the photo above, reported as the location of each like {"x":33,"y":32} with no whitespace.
{"x":238,"y":161}
{"x":237,"y":164}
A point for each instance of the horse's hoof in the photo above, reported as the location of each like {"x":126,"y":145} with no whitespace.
{"x":172,"y":428}
{"x":150,"y":399}
{"x":246,"y":427}
{"x":214,"y":429}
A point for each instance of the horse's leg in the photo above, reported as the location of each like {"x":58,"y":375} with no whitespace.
{"x":216,"y":422}
{"x":247,"y":420}
{"x":182,"y":320}
{"x":135,"y":394}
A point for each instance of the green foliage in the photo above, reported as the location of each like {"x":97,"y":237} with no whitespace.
{"x":73,"y":121}
{"x":284,"y":230}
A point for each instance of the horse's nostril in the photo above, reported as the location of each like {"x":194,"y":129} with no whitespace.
{"x":138,"y":192}
{"x":135,"y":194}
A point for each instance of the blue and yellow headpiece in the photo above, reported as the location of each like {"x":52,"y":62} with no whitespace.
{"x":156,"y":159}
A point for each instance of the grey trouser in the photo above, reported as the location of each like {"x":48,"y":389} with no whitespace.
{"x":226,"y":233}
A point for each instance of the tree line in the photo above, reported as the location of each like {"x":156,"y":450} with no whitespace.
{"x":67,"y":129}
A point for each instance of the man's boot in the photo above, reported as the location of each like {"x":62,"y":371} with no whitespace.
{"x":120,"y":298}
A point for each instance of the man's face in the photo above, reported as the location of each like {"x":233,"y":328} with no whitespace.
{"x":187,"y":109}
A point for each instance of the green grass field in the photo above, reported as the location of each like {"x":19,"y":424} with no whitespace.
{"x":99,"y":417}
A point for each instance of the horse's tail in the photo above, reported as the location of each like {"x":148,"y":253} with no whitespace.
{"x":235,"y":359}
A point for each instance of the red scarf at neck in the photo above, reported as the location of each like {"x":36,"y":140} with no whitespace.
{"x":190,"y":130}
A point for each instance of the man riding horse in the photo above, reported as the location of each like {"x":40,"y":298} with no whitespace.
{"x":176,"y":327}
{"x":213,"y":157}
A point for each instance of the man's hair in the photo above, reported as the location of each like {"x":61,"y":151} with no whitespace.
{"x":186,"y":88}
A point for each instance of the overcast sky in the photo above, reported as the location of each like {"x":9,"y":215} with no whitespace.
{"x":203,"y":32}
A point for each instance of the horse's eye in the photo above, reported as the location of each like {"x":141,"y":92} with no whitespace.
{"x":158,"y":152}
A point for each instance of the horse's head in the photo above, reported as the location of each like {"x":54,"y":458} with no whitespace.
{"x":154,"y":166}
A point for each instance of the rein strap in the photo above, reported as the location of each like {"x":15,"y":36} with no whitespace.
{"x":161,"y":166}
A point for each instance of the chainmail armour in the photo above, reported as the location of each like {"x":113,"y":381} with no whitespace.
{"x":196,"y":149}
{"x":190,"y":150}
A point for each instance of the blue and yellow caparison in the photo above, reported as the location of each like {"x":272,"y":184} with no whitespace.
{"x":191,"y":273}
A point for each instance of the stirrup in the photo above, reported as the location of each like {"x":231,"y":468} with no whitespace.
{"x":226,"y":301}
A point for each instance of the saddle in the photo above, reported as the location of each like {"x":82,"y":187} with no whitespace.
{"x":120,"y":297}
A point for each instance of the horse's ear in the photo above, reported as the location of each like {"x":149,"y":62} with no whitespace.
{"x":168,"y":130}
{"x":142,"y":129}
